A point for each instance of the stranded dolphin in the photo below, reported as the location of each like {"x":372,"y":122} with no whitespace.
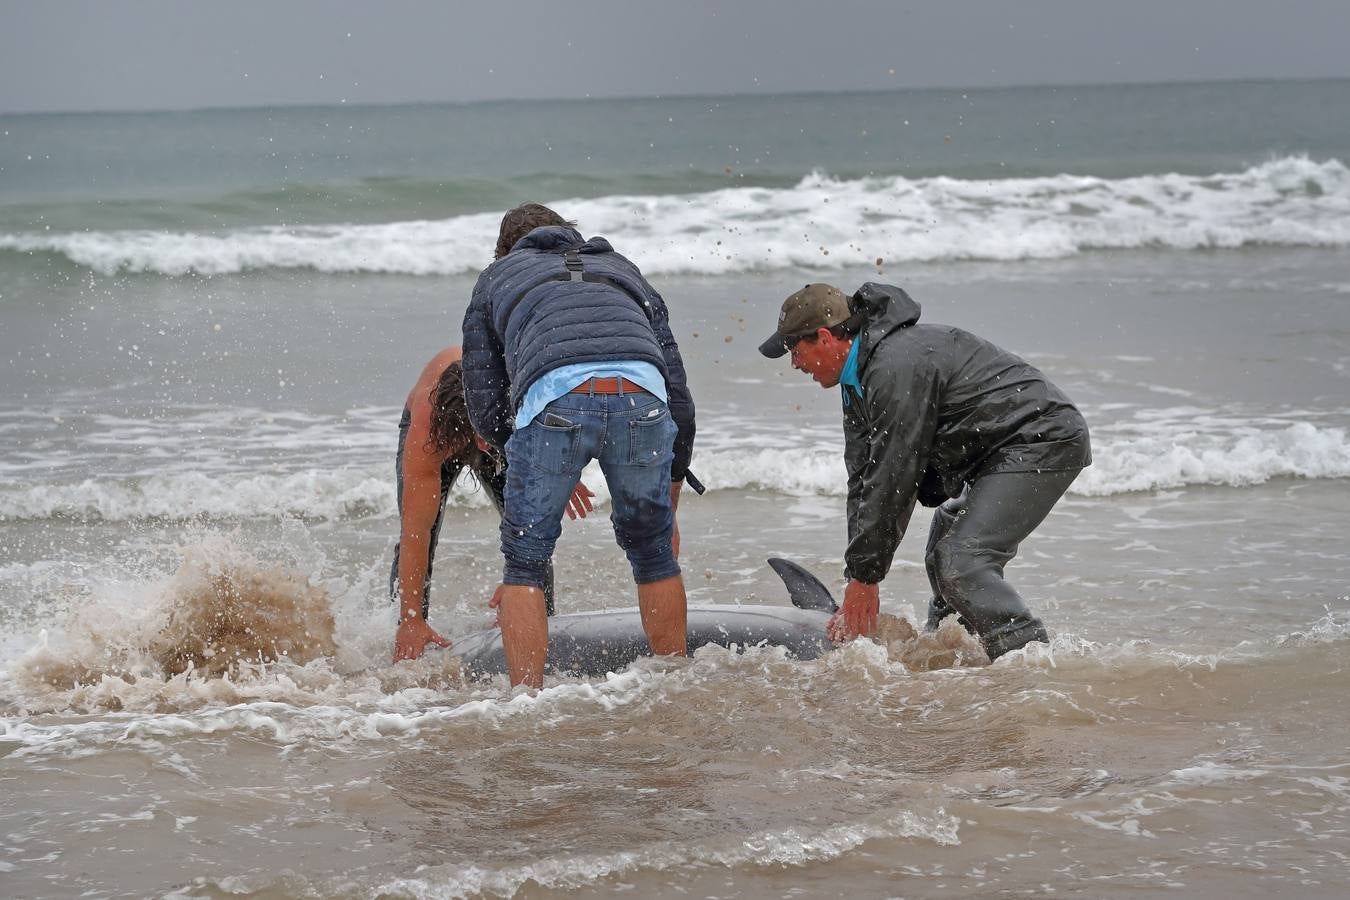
{"x":594,"y":643}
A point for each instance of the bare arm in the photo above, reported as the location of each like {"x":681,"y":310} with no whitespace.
{"x":421,"y":504}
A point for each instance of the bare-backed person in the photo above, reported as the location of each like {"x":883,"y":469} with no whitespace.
{"x":435,"y":443}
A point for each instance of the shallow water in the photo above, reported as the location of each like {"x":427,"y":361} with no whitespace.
{"x":1183,"y":729}
{"x":197,"y":516}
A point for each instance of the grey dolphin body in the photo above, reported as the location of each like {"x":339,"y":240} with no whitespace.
{"x":595,"y":643}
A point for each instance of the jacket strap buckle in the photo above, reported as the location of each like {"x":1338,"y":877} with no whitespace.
{"x":572,"y":260}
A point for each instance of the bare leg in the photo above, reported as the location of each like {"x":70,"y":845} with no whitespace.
{"x":524,"y":624}
{"x":664,"y":615}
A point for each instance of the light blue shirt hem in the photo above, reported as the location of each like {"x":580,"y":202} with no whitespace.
{"x":557,"y":382}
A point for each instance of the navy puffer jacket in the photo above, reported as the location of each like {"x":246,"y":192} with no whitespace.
{"x":531,"y":314}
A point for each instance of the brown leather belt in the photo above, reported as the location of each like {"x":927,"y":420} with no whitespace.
{"x":609,"y":386}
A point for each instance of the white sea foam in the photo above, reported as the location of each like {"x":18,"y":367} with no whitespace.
{"x":226,"y":642}
{"x":1210,"y":772}
{"x":316,"y":493}
{"x":788,"y":847}
{"x":1242,"y":456}
{"x":1131,"y":457}
{"x":1068,"y":649}
{"x":821,"y":222}
{"x":1331,"y":628}
{"x":1125,"y":459}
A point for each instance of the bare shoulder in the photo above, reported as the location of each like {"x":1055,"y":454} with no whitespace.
{"x":431,"y":373}
{"x":447,"y":356}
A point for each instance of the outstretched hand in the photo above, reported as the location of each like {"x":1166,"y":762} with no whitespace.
{"x":858,"y":615}
{"x":412,"y":638}
{"x":580,"y":502}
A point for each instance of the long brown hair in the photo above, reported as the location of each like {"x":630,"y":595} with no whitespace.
{"x":450,"y":425}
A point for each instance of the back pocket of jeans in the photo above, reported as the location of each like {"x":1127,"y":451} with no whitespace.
{"x":555,"y":447}
{"x":650,"y":438}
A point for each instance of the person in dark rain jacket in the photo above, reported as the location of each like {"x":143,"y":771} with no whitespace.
{"x":937,"y":415}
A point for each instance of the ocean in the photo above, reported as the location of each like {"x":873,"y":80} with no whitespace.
{"x":209,"y":322}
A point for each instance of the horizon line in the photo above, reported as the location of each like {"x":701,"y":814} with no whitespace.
{"x":373,"y":104}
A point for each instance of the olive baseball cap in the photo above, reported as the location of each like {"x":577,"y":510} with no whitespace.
{"x":814,"y":307}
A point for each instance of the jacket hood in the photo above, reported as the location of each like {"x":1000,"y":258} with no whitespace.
{"x":887,"y":308}
{"x":556,"y":238}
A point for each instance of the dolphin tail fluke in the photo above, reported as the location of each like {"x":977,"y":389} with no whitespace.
{"x":804,"y":588}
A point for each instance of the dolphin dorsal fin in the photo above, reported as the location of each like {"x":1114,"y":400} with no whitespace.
{"x":804,"y":588}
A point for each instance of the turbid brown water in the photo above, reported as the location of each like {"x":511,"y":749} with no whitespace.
{"x":1194,"y":754}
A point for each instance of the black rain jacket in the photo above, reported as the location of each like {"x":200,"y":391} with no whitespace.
{"x":940,"y":407}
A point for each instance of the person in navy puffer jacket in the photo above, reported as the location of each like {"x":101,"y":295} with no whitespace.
{"x":569,"y":357}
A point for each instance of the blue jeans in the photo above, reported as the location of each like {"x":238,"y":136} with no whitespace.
{"x":633,"y":437}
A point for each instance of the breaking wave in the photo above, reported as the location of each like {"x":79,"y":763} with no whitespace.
{"x":821,"y":222}
{"x":1126,"y":459}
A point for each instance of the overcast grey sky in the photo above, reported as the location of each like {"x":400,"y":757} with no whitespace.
{"x":159,"y":54}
